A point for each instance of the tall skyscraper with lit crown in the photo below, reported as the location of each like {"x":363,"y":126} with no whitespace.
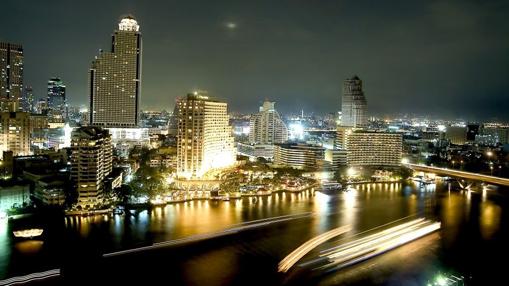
{"x":115,"y":79}
{"x":353,"y":104}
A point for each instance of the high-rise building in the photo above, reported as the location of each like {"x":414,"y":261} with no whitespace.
{"x":115,"y":79}
{"x":41,"y":106}
{"x":204,"y":136}
{"x":473,"y":130}
{"x":353,"y":104}
{"x":457,"y":135}
{"x":57,"y":103}
{"x":27,"y":99}
{"x":11,"y":76}
{"x":267,"y":127}
{"x":15,"y":136}
{"x":498,"y":132}
{"x":373,"y":148}
{"x":91,"y":162}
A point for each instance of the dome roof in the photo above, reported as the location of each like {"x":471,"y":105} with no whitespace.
{"x":128,"y":23}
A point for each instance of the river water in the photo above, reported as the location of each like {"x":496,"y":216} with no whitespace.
{"x":473,"y":237}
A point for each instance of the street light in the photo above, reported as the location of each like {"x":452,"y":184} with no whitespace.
{"x":491,"y":169}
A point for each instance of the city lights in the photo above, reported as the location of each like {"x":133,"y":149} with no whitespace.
{"x":296,"y":131}
{"x":253,"y":133}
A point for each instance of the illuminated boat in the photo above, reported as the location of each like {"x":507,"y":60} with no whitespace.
{"x":28,"y":233}
{"x":330,"y":188}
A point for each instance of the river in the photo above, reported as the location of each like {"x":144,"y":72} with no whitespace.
{"x":474,"y":233}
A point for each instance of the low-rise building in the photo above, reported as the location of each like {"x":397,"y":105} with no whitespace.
{"x":298,"y":156}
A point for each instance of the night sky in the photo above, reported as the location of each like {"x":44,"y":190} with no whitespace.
{"x":439,"y":58}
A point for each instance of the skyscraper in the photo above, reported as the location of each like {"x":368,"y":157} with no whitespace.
{"x":204,"y":136}
{"x":11,"y":76}
{"x":91,"y":162}
{"x":267,"y":127}
{"x":57,"y":103}
{"x":115,"y":79}
{"x":353,"y":104}
{"x":27,"y":100}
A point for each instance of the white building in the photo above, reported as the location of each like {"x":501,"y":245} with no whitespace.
{"x":115,"y":79}
{"x":204,"y":136}
{"x":267,"y":127}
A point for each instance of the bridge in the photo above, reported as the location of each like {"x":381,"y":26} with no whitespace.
{"x":459,"y":174}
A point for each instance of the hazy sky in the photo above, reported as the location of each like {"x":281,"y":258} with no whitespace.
{"x":447,"y":58}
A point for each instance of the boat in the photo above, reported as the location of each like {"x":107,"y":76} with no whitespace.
{"x":330,"y":188}
{"x":28,"y":233}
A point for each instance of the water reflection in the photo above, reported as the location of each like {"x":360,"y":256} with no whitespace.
{"x":29,"y":246}
{"x":365,"y":206}
{"x":489,"y":221}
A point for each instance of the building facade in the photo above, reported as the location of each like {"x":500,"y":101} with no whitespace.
{"x":353,"y":104}
{"x":298,"y":156}
{"x":15,"y":136}
{"x":457,"y":135}
{"x":204,"y":136}
{"x":91,"y":163}
{"x":57,"y":102}
{"x":11,"y":76}
{"x":374,"y":148}
{"x":115,"y":79}
{"x":267,"y":127}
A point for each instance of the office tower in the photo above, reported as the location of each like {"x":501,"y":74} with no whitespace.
{"x":298,"y":155}
{"x":204,"y":136}
{"x":267,"y":127}
{"x":498,"y":132}
{"x":115,"y":79}
{"x":457,"y":135}
{"x":41,"y":106}
{"x":15,"y":136}
{"x":373,"y":148}
{"x":57,"y":103}
{"x":91,"y":162}
{"x":27,"y":100}
{"x":472,"y":131}
{"x":353,"y":104}
{"x":11,"y":76}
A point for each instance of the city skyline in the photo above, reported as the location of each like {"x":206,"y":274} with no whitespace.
{"x":407,"y":63}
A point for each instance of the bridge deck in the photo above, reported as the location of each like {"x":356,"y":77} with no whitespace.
{"x":460,"y":174}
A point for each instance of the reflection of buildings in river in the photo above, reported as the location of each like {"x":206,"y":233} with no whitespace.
{"x":205,"y":216}
{"x":453,"y":216}
{"x":489,"y":220}
{"x":321,"y":209}
{"x":349,"y":203}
